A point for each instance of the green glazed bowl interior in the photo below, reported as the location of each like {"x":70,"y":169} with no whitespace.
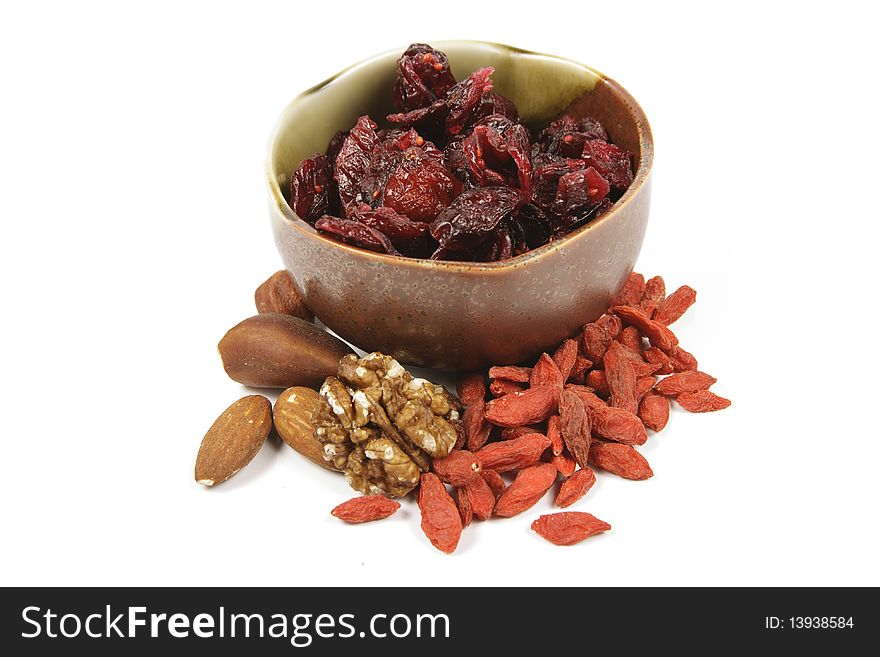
{"x":456,"y":315}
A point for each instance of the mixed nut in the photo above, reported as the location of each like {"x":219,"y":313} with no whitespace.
{"x":587,"y":406}
{"x":456,"y":175}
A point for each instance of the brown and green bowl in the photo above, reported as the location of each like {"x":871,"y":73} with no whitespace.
{"x":455,"y":315}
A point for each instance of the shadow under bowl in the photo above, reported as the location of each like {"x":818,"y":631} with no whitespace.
{"x":458,"y":315}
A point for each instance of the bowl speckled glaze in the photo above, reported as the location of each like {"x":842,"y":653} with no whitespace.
{"x":454,"y":315}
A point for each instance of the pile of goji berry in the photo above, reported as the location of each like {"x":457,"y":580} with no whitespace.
{"x":587,"y":406}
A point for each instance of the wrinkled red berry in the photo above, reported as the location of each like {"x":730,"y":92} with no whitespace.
{"x":357,"y":234}
{"x":423,"y":76}
{"x":579,"y":191}
{"x":464,"y":99}
{"x":473,"y":215}
{"x":421,"y":186}
{"x":310,"y":188}
{"x":611,"y":161}
{"x":408,"y":236}
{"x":353,"y":161}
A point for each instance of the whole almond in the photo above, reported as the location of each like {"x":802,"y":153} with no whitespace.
{"x":280,"y":351}
{"x":278,"y":294}
{"x":233,"y":440}
{"x":294,"y":416}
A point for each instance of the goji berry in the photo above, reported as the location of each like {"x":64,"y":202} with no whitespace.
{"x":657,"y":357}
{"x":471,"y":388}
{"x":569,"y":527}
{"x":476,"y":426}
{"x":675,"y":304}
{"x":621,"y":377}
{"x":654,"y":411}
{"x":701,"y":401}
{"x":689,"y":381}
{"x":658,"y":334}
{"x":620,"y":459}
{"x":632,"y":291}
{"x":564,"y":464}
{"x":681,"y":360}
{"x":460,"y":436}
{"x":643,"y":385}
{"x":554,"y":434}
{"x":591,"y":399}
{"x":465,"y":508}
{"x":598,"y":335}
{"x":509,"y":433}
{"x":631,"y":339}
{"x":611,"y":324}
{"x":513,"y":454}
{"x":495,"y":481}
{"x":526,"y":407}
{"x":529,"y":486}
{"x":511,"y":373}
{"x":617,"y":424}
{"x":481,"y":497}
{"x":546,"y":373}
{"x":501,"y":387}
{"x":441,"y":521}
{"x":574,"y":423}
{"x":640,"y":366}
{"x":597,"y":380}
{"x":365,"y":509}
{"x":566,"y":357}
{"x":654,"y":295}
{"x":457,"y":468}
{"x":575,"y":487}
{"x":581,"y":365}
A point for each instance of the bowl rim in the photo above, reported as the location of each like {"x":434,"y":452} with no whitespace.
{"x":643,"y":171}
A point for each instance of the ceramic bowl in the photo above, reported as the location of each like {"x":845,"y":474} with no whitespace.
{"x":455,"y":315}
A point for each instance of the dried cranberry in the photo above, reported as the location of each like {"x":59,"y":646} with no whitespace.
{"x":495,"y":104}
{"x":335,"y":144}
{"x":456,"y":111}
{"x":613,"y":162}
{"x":569,"y":144}
{"x":357,"y":234}
{"x":310,"y":188}
{"x":423,"y":76}
{"x":408,"y":236}
{"x":578,"y":191}
{"x":421,"y":186}
{"x":457,"y":163}
{"x":535,"y":226}
{"x":429,"y":121}
{"x":499,"y":155}
{"x":472,"y":216}
{"x":463,"y":99}
{"x":386,"y":157}
{"x":518,"y":243}
{"x":564,"y":225}
{"x":554,"y":132}
{"x":498,"y":247}
{"x":353,"y":160}
{"x":547,"y":169}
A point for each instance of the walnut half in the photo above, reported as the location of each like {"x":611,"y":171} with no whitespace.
{"x":380,"y":425}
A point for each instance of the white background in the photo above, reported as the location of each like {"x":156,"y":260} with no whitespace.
{"x":135,"y":231}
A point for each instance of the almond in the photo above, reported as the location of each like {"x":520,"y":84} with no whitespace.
{"x":278,"y":294}
{"x":279,"y":351}
{"x":234,"y":439}
{"x":294,"y":417}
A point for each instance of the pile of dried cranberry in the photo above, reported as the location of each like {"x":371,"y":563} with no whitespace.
{"x":457,"y":176}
